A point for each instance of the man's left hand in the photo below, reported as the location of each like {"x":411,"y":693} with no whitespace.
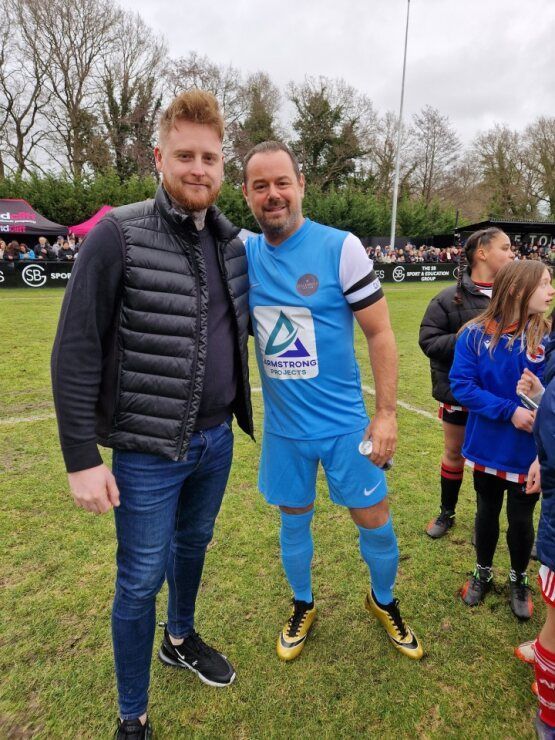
{"x":383,"y":432}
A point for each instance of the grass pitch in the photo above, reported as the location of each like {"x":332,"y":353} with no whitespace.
{"x":57,"y":573}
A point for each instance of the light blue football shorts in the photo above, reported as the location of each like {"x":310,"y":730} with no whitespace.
{"x":288,"y":467}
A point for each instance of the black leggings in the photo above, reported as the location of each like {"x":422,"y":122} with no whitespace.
{"x":520,"y":510}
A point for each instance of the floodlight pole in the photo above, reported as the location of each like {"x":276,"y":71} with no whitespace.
{"x":399,"y":131}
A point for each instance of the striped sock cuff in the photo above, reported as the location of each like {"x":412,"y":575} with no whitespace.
{"x":452,"y":473}
{"x":514,"y":576}
{"x":484,"y":572}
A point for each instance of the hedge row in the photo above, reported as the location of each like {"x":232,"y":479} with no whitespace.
{"x":67,"y":202}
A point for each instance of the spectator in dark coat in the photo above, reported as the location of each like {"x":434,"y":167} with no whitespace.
{"x":11,"y":252}
{"x":43,"y":250}
{"x":66,"y":253}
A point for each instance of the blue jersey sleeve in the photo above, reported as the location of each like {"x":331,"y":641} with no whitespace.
{"x":465,"y":380}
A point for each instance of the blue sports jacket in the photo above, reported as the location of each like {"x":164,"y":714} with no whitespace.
{"x":544,"y":433}
{"x":485,"y":383}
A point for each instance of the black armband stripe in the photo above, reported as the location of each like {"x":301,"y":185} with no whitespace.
{"x":368,"y":301}
{"x":361,"y":283}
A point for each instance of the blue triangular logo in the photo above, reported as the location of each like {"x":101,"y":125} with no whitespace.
{"x":299,"y":351}
{"x":283,"y":336}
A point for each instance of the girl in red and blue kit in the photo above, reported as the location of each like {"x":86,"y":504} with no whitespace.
{"x":491,"y":354}
{"x":485,"y":253}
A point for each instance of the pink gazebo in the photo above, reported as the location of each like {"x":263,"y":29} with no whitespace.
{"x":86,"y":226}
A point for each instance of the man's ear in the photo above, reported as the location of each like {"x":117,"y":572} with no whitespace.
{"x":244,"y":189}
{"x":302,"y":183}
{"x":158,"y":158}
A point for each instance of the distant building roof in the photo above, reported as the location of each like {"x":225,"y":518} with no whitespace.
{"x":512,"y":226}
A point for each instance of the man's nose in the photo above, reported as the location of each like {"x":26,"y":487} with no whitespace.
{"x":198,"y":167}
{"x":273,"y":192}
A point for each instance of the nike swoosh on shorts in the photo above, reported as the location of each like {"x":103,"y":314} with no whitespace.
{"x":371,"y":491}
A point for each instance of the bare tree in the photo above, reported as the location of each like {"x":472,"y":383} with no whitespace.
{"x":539,"y":138}
{"x":196,"y":71}
{"x":131,"y":84}
{"x":334,"y":125}
{"x":70,"y":40}
{"x":23,"y":98}
{"x":381,"y":157}
{"x":500,"y":154}
{"x":466,"y":189}
{"x":434,"y":150}
{"x":262,"y":102}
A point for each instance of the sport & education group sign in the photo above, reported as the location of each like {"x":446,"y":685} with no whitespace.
{"x":419,"y":272}
{"x":26,"y":274}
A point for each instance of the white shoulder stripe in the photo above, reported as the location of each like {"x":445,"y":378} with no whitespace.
{"x":354,"y":263}
{"x":244,"y":234}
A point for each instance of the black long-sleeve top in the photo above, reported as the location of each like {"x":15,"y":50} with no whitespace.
{"x":86,"y":331}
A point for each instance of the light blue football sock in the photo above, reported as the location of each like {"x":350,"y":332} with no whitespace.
{"x":379,"y":551}
{"x":297,"y":550}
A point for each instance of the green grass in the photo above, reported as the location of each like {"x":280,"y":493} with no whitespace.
{"x":57,"y":573}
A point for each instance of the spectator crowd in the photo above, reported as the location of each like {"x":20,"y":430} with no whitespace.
{"x":412,"y":254}
{"x":66,"y":250}
{"x":63,"y":250}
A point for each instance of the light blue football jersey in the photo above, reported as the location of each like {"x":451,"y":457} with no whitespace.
{"x":302,"y":297}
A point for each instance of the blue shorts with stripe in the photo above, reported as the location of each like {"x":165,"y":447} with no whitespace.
{"x":288,"y":469}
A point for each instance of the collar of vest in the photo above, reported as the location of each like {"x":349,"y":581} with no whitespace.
{"x":222,"y":229}
{"x":469,"y":285}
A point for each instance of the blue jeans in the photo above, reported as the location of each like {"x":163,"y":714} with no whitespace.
{"x":163,"y":525}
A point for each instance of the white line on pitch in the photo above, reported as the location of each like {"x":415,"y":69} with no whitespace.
{"x":404,"y":405}
{"x":255,"y":389}
{"x":401,"y":404}
{"x":24,"y":419}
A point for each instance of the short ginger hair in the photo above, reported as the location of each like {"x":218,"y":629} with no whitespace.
{"x":195,"y":106}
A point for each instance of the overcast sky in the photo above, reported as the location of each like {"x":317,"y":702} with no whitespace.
{"x":478,"y":61}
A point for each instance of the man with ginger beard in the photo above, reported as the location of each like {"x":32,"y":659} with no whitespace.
{"x":150,"y":359}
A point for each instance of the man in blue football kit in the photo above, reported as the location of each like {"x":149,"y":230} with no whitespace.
{"x":306,"y":282}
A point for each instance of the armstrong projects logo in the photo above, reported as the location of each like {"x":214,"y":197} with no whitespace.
{"x":287,"y":342}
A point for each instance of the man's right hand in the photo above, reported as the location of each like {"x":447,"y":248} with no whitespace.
{"x":94,"y":489}
{"x":523,"y":419}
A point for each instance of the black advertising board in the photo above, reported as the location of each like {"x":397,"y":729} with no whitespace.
{"x":420,"y":272}
{"x":41,"y":274}
{"x":34,"y":274}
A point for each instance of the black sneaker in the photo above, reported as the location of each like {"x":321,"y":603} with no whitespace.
{"x":132,"y":729}
{"x":521,"y":597}
{"x":441,"y":524}
{"x":477,"y":586}
{"x":211,"y":667}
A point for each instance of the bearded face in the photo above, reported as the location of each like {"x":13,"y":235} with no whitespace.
{"x":190,"y":159}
